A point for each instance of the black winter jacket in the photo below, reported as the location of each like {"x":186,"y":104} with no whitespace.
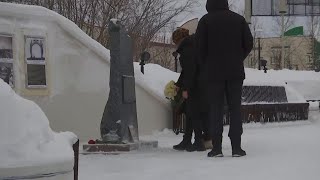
{"x":224,"y":42}
{"x":187,"y":60}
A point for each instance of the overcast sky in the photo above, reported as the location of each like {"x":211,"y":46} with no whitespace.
{"x":200,"y":9}
{"x":267,"y":24}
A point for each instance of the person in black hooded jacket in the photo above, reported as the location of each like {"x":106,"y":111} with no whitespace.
{"x":186,"y":82}
{"x":224,"y":42}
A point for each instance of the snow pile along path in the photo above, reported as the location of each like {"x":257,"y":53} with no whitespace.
{"x":26,"y":138}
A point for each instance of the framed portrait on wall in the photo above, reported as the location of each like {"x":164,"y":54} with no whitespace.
{"x":6,"y":59}
{"x":35,"y":56}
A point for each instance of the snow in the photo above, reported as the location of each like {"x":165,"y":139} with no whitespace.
{"x":31,"y":12}
{"x":114,"y":21}
{"x":314,"y":106}
{"x":308,"y":88}
{"x":26,"y":138}
{"x":307,"y":83}
{"x":276,"y":151}
{"x":299,"y":85}
{"x":154,"y":79}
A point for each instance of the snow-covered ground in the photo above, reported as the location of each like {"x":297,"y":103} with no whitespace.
{"x":280,"y":151}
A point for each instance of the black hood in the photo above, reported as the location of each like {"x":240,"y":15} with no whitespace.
{"x":215,"y":5}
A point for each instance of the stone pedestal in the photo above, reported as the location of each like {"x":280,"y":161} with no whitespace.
{"x":109,"y":148}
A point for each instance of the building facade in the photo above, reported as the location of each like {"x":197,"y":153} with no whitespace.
{"x":298,"y":53}
{"x":161,"y":53}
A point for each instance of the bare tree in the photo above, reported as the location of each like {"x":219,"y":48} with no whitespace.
{"x":146,"y":18}
{"x":255,"y":26}
{"x":313,"y":26}
{"x":288,"y":23}
{"x":278,"y":27}
{"x":161,"y":48}
{"x":142,"y":18}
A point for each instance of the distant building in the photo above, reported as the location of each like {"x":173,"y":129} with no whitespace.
{"x":298,"y":53}
{"x":161,"y":53}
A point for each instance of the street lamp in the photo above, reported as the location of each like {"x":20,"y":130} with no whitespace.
{"x":264,"y":64}
{"x":145,"y":56}
{"x":282,"y":10}
{"x":259,"y":34}
{"x":247,"y":11}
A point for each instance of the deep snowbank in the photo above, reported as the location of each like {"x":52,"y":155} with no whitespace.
{"x":26,"y":138}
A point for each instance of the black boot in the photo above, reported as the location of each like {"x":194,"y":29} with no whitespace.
{"x":217,"y":148}
{"x":196,"y":146}
{"x":237,"y":151}
{"x":186,"y":142}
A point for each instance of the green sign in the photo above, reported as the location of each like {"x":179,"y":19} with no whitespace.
{"x":297,"y":31}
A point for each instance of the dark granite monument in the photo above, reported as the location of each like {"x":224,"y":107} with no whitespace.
{"x":119,"y":122}
{"x":119,"y":126}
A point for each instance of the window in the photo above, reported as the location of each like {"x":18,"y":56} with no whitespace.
{"x":35,"y":56}
{"x":6,"y":59}
{"x":276,"y":57}
{"x":309,"y":59}
{"x":271,"y":60}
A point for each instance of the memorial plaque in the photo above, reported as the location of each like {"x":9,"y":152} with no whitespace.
{"x":129,"y":94}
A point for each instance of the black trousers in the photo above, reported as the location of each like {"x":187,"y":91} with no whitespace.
{"x":194,"y":120}
{"x":232,"y":90}
{"x":205,"y":126}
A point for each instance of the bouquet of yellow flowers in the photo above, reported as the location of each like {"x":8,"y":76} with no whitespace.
{"x":170,"y":90}
{"x":174,"y":94}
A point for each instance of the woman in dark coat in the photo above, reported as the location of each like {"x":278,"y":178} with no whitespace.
{"x":186,"y":83}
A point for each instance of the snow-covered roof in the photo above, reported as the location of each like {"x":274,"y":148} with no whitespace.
{"x":29,"y":11}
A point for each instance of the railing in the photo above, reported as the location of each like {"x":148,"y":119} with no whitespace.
{"x":76,"y":160}
{"x":258,"y":113}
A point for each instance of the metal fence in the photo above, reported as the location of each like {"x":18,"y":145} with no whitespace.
{"x":256,"y":113}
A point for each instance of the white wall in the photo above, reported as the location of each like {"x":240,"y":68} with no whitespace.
{"x":77,"y":74}
{"x":152,"y":114}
